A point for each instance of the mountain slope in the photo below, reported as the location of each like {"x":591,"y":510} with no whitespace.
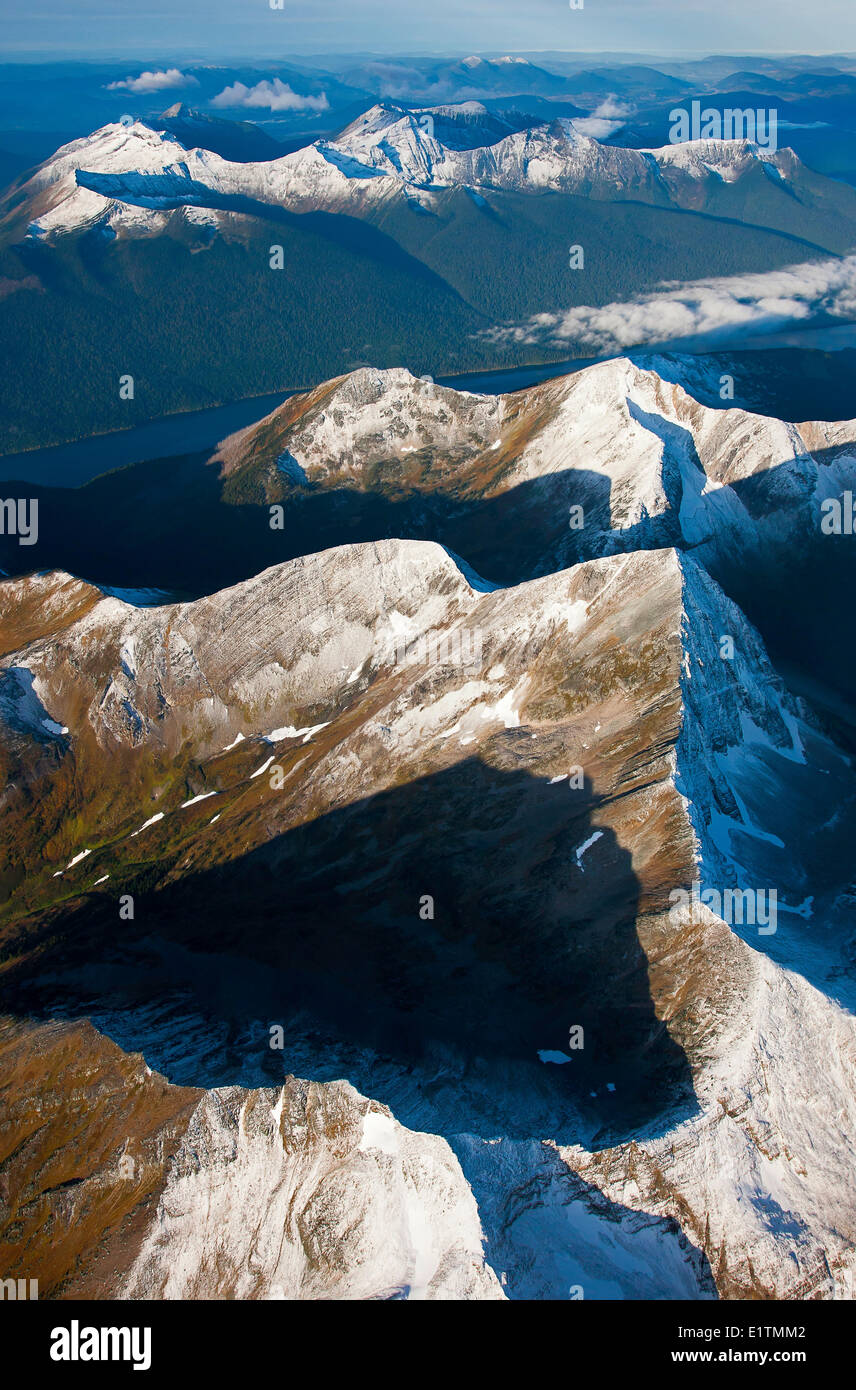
{"x":206,"y":693}
{"x":165,"y":1192}
{"x":127,"y":254}
{"x":617,"y":457}
{"x":393,"y":154}
{"x":414,"y":761}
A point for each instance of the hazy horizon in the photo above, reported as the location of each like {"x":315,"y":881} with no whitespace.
{"x":197,"y":57}
{"x":103,"y":29}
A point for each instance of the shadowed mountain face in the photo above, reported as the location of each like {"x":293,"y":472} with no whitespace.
{"x":402,"y":891}
{"x":570,"y":688}
{"x":510,"y":905}
{"x":453,"y":912}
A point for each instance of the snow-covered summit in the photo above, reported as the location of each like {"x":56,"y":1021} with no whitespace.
{"x":387,"y":152}
{"x":648,"y":462}
{"x":475,"y":62}
{"x":727,"y":159}
{"x":56,"y":200}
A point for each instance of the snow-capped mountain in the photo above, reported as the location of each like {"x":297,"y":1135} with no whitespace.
{"x":304,"y":1191}
{"x":389,"y":153}
{"x":615,"y":457}
{"x":374,"y":724}
{"x":56,"y":201}
{"x":456,"y":222}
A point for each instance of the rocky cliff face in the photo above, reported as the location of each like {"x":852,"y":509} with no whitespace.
{"x":619,"y":457}
{"x":644,"y":460}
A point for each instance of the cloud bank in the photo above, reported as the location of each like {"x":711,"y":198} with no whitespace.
{"x":274,"y":96}
{"x":153,"y":82}
{"x":605,"y":120}
{"x":700,"y":309}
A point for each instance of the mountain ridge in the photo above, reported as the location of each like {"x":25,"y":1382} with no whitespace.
{"x":605,"y":664}
{"x":385,"y":153}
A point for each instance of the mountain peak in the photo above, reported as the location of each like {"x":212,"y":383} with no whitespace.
{"x":127,"y":174}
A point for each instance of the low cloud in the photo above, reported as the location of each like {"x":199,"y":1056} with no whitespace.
{"x":153,"y":82}
{"x":273,"y":96}
{"x":394,"y":79}
{"x":700,"y":309}
{"x":605,"y":120}
{"x":400,"y":82}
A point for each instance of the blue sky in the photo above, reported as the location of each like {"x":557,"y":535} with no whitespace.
{"x":218,"y":28}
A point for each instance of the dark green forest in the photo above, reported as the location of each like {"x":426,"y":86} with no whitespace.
{"x":197,"y":322}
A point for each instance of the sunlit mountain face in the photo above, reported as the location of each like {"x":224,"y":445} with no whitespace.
{"x":427,"y":526}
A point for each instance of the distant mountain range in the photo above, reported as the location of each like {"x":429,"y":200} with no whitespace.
{"x":129,"y":253}
{"x":389,"y":154}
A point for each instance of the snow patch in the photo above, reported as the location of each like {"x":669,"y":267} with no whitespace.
{"x":289,"y":731}
{"x":586,"y":845}
{"x":379,"y":1132}
{"x":54,"y":728}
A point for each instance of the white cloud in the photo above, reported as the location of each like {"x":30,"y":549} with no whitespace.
{"x":700,"y":309}
{"x":153,"y":82}
{"x":275,"y":96}
{"x":395,"y":79}
{"x":605,"y":120}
